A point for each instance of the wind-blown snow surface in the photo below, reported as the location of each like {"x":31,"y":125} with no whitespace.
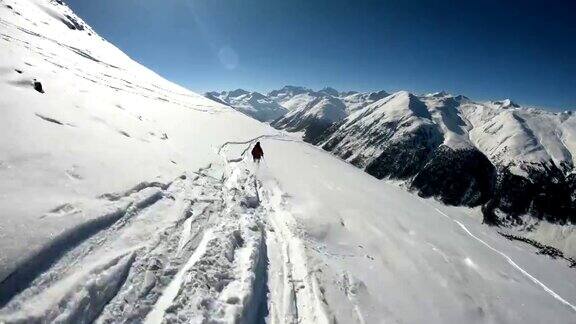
{"x":126,"y":198}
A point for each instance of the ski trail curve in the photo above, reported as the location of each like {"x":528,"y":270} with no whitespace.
{"x":510,"y":261}
{"x":250,"y":141}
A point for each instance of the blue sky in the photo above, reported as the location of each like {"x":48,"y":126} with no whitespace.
{"x":524,"y":50}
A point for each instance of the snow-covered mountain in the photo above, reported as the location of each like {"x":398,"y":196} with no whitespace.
{"x":298,"y":109}
{"x":313,"y":115}
{"x":358,"y":100}
{"x":253,"y":104}
{"x":463,"y":152}
{"x":281,"y":96}
{"x":127,"y":198}
{"x":512,"y":159}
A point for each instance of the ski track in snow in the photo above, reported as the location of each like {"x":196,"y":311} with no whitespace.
{"x":192,"y":250}
{"x":294,"y":293}
{"x":509,"y":260}
{"x":163,"y":249}
{"x":157,"y":313}
{"x":300,"y":300}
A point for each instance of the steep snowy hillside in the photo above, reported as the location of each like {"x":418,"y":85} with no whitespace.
{"x":281,"y":96}
{"x":516,"y":161}
{"x":314,"y":117}
{"x":534,"y":153}
{"x":357,"y":100}
{"x":253,"y":104}
{"x":103,"y":126}
{"x":126,"y":198}
{"x":395,"y":119}
{"x":307,"y":108}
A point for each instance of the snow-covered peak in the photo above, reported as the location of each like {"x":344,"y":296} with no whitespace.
{"x":400,"y":104}
{"x":330,"y":91}
{"x":327,"y":108}
{"x":312,"y":114}
{"x":507,"y":103}
{"x":237,"y":93}
{"x":356,"y":100}
{"x":439,"y":94}
{"x":287,"y":92}
{"x":445,"y":113}
{"x":365,"y":133}
{"x":254,"y":104}
{"x":504,"y":104}
{"x":519,"y":137}
{"x":377,"y":95}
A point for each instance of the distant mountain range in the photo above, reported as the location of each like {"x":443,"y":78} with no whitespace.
{"x":511,"y":160}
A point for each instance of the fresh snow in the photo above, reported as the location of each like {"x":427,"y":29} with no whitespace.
{"x":127,"y":198}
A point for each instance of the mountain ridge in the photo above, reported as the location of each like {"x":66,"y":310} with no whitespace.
{"x":491,"y":145}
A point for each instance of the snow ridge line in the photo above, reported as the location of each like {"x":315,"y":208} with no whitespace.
{"x":511,"y":262}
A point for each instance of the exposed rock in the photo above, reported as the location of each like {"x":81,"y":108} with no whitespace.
{"x":38,"y":86}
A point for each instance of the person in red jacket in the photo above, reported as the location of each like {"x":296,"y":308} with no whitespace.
{"x":257,"y":152}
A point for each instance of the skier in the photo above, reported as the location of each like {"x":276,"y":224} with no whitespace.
{"x":257,"y":152}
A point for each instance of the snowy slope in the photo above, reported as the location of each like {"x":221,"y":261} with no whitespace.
{"x":126,"y":198}
{"x":281,"y":96}
{"x":359,"y":100}
{"x":365,"y":133}
{"x":312,"y":114}
{"x":105,"y":124}
{"x":253,"y":104}
{"x":515,"y":160}
{"x":375,"y":253}
{"x":519,"y":136}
